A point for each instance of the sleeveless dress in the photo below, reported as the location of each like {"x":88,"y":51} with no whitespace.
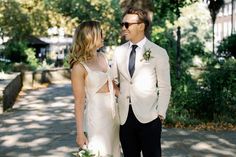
{"x":101,"y":118}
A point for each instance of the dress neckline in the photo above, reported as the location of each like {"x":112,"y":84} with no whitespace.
{"x":104,"y":72}
{"x":98,"y":71}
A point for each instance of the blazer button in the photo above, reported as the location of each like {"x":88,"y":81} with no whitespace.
{"x":127,"y":97}
{"x":131,"y":82}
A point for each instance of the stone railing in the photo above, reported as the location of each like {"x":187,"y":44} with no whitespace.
{"x":10,"y":88}
{"x":34,"y":78}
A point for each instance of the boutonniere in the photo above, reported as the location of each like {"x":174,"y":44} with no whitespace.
{"x":147,"y":55}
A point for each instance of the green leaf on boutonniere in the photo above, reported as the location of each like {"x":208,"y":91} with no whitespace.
{"x":147,"y":55}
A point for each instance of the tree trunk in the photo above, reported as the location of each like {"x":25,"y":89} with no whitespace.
{"x":213,"y":42}
{"x":178,"y":53}
{"x":232,"y":17}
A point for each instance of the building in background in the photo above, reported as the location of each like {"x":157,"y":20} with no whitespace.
{"x":41,"y":47}
{"x":225,"y":24}
{"x":59,"y":43}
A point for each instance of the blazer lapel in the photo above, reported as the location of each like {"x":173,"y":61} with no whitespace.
{"x":124,"y":61}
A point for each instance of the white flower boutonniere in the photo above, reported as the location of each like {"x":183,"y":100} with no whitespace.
{"x":147,"y":55}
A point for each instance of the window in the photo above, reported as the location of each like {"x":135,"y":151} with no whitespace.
{"x":235,"y":7}
{"x":220,"y":31}
{"x":230,"y":8}
{"x":225,"y":29}
{"x":220,"y":12}
{"x":229,"y":28}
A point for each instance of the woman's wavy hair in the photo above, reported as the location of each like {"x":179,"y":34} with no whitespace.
{"x":85,"y":40}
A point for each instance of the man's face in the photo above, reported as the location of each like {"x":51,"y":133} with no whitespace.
{"x":131,"y":26}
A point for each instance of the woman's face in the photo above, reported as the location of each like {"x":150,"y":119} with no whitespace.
{"x":100,"y":40}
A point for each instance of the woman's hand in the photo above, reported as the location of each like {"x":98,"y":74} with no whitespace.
{"x":116,"y":88}
{"x":81,"y":140}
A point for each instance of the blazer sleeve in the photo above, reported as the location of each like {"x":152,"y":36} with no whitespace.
{"x":163,"y":82}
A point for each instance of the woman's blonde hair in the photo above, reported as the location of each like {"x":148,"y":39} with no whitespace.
{"x":85,"y":40}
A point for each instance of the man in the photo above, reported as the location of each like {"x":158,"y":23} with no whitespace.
{"x":141,"y":68}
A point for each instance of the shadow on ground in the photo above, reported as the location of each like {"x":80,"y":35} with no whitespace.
{"x":42,"y":124}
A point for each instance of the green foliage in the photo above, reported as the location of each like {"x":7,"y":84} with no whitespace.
{"x":183,"y":97}
{"x":218,"y":90}
{"x":38,"y":17}
{"x":15,"y":51}
{"x":227,"y":47}
{"x":6,"y":67}
{"x":13,"y":21}
{"x":31,"y":59}
{"x":168,"y":10}
{"x":106,"y":11}
{"x":209,"y":98}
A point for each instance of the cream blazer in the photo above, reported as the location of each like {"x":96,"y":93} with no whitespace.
{"x":149,"y":88}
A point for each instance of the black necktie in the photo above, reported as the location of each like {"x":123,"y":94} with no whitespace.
{"x":132,"y":60}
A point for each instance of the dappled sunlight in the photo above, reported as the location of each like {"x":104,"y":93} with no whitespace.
{"x":66,"y":116}
{"x":197,"y":143}
{"x":201,"y":146}
{"x":15,"y":128}
{"x":41,"y":121}
{"x":205,"y":146}
{"x":18,"y":154}
{"x":38,"y":142}
{"x":39,"y":118}
{"x":10,"y":121}
{"x":58,"y":104}
{"x":12,"y":140}
{"x":168,"y":144}
{"x":34,"y":126}
{"x":42,"y":124}
{"x":226,"y":142}
{"x":181,"y":132}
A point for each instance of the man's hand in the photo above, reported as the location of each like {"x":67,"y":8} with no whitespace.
{"x":161,"y":118}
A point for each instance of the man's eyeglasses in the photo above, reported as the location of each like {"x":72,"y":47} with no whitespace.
{"x":127,"y":24}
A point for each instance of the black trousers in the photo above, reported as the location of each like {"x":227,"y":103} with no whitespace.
{"x":136,"y":137}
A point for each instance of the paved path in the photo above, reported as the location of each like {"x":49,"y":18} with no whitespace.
{"x":42,"y":124}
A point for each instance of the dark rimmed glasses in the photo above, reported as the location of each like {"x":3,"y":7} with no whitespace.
{"x":127,"y":24}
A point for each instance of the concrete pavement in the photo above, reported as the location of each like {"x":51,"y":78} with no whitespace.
{"x":41,"y":124}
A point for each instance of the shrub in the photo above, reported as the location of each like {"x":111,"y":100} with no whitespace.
{"x":227,"y":47}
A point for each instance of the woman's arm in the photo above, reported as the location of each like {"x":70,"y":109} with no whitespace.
{"x":78,"y":74}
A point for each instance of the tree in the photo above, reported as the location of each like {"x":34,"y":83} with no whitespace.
{"x":19,"y":19}
{"x":214,"y":8}
{"x":14,"y":24}
{"x":106,"y":11}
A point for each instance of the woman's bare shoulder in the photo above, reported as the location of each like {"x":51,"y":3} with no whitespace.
{"x":78,"y":67}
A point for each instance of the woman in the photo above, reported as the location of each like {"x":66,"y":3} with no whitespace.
{"x":92,"y":83}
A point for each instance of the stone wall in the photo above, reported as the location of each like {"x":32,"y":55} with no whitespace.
{"x":35,"y":78}
{"x":9,"y":90}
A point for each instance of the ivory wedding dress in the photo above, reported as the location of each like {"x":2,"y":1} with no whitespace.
{"x":101,"y":118}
